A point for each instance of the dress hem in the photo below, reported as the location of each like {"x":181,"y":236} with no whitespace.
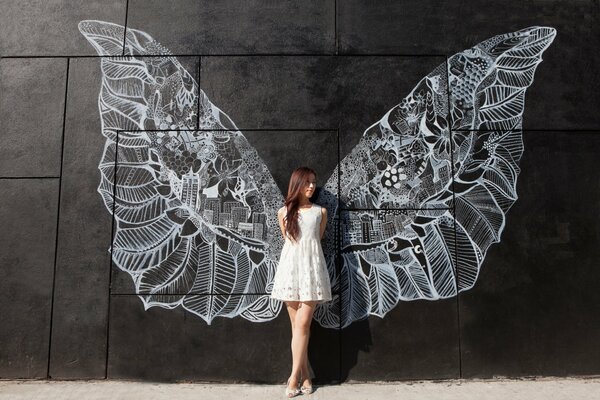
{"x":325,"y":300}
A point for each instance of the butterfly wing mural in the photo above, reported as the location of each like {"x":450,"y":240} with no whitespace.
{"x":194,"y":209}
{"x":441,"y":170}
{"x":421,"y":197}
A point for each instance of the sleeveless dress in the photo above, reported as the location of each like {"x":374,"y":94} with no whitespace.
{"x":302,"y":272}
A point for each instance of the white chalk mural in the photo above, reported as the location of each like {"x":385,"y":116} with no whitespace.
{"x":422,"y":196}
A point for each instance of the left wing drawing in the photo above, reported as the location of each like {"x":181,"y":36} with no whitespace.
{"x":195,"y":210}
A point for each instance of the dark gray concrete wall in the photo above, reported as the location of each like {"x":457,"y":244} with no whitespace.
{"x":302,"y":80}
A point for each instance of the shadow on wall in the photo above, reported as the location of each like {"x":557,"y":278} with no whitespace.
{"x":330,"y":370}
{"x":345,"y":341}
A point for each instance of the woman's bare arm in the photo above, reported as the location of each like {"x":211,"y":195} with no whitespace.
{"x":323,"y":221}
{"x":280,"y":216}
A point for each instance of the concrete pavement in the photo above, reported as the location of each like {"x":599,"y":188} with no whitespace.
{"x":529,"y":389}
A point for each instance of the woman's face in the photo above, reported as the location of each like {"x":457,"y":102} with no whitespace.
{"x":310,"y":186}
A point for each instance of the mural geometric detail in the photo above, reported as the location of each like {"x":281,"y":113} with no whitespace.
{"x":421,"y":197}
{"x":449,"y":155}
{"x":195,"y":211}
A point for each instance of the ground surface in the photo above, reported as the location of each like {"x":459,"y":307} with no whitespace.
{"x":530,"y":389}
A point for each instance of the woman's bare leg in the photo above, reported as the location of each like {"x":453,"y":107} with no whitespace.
{"x":304,"y":371}
{"x":300,"y":338}
{"x":306,"y":380}
{"x":292,"y":309}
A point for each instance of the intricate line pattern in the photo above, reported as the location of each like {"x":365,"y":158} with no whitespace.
{"x":405,"y":161}
{"x":196,"y":209}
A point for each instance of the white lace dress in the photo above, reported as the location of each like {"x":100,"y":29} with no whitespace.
{"x":302,"y":272}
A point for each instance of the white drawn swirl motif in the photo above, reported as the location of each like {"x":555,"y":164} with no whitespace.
{"x":195,"y":209}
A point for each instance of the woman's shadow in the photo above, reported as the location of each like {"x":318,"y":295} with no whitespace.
{"x":334,"y":352}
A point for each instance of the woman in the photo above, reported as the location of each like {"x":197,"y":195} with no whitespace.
{"x":301,"y":279}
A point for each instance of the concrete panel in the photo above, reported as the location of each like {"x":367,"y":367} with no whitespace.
{"x":237,"y":27}
{"x":282,"y":152}
{"x":345,"y":93}
{"x":27,"y":241}
{"x":406,"y":284}
{"x":49,"y":27}
{"x":566,"y":93}
{"x":172,"y":345}
{"x":535,"y":307}
{"x":325,"y":351}
{"x":31,"y":111}
{"x":349,"y":93}
{"x":83,"y":262}
{"x":83,"y":276}
{"x":416,"y":340}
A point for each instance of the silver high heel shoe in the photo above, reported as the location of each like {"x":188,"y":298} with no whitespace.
{"x":306,"y":389}
{"x":289,"y":393}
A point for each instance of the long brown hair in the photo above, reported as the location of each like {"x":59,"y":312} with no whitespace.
{"x":292,"y":201}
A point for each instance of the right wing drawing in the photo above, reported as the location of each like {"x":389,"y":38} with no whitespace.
{"x":407,"y":234}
